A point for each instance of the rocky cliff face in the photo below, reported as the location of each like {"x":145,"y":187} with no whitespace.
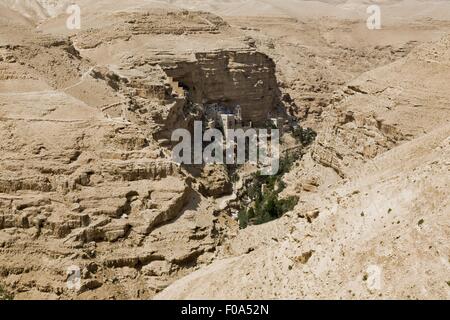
{"x":82,"y":173}
{"x":378,"y":233}
{"x":170,"y":91}
{"x":231,"y":78}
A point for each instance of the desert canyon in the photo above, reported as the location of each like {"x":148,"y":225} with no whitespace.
{"x":87,"y":179}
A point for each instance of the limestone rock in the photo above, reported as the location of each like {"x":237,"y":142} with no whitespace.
{"x":215,"y":181}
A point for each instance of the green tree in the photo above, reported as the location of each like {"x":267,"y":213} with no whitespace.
{"x":243,"y":219}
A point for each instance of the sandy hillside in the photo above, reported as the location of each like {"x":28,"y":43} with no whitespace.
{"x":392,"y":9}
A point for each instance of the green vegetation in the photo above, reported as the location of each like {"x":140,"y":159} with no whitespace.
{"x":4,"y":294}
{"x":267,"y":206}
{"x":264,"y":193}
{"x":304,"y":136}
{"x":243,"y":217}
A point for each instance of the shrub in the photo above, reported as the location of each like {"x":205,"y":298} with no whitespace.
{"x":274,"y":208}
{"x":4,"y":294}
{"x":305,"y":136}
{"x":267,"y":206}
{"x":243,"y":219}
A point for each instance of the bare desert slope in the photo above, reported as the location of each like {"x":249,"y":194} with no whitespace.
{"x":87,"y":180}
{"x":392,"y":9}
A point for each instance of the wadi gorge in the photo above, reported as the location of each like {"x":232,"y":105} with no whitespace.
{"x":87,"y":179}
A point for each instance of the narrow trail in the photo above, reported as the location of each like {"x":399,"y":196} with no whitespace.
{"x":82,"y":79}
{"x":46,"y":93}
{"x":50,"y":92}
